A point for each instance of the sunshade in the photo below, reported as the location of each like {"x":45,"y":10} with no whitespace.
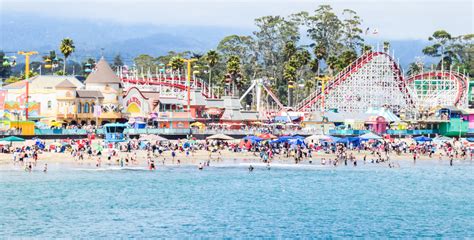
{"x":12,"y":139}
{"x":220,"y":136}
{"x":422,"y":139}
{"x":152,"y":137}
{"x":369,"y":136}
{"x":317,"y":137}
{"x":267,"y":136}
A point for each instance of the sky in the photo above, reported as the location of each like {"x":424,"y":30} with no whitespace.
{"x":393,"y":19}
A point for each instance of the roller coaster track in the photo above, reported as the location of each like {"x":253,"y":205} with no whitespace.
{"x":308,"y":103}
{"x":177,"y":83}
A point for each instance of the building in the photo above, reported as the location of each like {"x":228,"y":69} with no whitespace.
{"x":65,"y":99}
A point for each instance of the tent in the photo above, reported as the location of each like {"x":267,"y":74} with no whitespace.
{"x":443,"y":139}
{"x":317,"y":137}
{"x":220,"y":136}
{"x":152,"y":137}
{"x":348,"y":140}
{"x":296,"y":141}
{"x":253,"y":139}
{"x":370,"y":136}
{"x":267,"y":136}
{"x":422,"y":139}
{"x":12,"y":139}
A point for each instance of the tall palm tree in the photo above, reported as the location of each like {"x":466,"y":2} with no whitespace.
{"x":212,"y":58}
{"x":67,"y":48}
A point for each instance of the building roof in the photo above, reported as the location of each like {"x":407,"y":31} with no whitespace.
{"x":45,"y":82}
{"x":89,"y":94}
{"x":66,"y":84}
{"x":103,"y":73}
{"x":16,"y":85}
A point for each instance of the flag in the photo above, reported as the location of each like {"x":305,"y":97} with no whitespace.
{"x":367,"y":30}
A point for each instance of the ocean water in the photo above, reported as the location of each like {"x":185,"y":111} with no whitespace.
{"x":422,"y":201}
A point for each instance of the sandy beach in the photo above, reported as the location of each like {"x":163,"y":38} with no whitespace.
{"x":224,"y":156}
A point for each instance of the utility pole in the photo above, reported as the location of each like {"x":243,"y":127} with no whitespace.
{"x":27,"y":76}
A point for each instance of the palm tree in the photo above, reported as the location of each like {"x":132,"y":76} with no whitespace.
{"x":212,"y":58}
{"x":67,"y":48}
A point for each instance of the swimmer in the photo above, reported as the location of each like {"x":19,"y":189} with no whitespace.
{"x":250,"y":168}
{"x":200,"y":166}
{"x":45,"y":168}
{"x":268,"y":165}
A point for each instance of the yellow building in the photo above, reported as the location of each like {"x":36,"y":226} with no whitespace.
{"x":65,"y":99}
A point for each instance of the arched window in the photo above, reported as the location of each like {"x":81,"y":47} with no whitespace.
{"x":92,"y":107}
{"x":49,"y":104}
{"x":86,"y":107}
{"x":79,"y":108}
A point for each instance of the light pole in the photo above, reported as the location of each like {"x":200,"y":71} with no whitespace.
{"x":27,"y":76}
{"x":188,"y":62}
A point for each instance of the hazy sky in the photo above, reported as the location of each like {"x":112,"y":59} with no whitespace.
{"x":401,"y":19}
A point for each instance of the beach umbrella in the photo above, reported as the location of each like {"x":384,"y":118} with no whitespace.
{"x":253,"y":139}
{"x":12,"y":139}
{"x":370,"y":136}
{"x":220,"y":136}
{"x":422,"y":139}
{"x":442,"y":139}
{"x":266,"y":136}
{"x":470,"y":139}
{"x":317,"y":137}
{"x":152,"y":137}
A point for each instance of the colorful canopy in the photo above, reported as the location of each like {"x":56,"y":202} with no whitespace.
{"x":220,"y":136}
{"x":422,"y":139}
{"x":253,"y":139}
{"x":369,"y":136}
{"x":12,"y":139}
{"x":266,"y":136}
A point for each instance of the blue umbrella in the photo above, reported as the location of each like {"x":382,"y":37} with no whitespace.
{"x":422,"y":139}
{"x":253,"y":139}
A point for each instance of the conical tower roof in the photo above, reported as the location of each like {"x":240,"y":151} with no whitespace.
{"x":103,"y":74}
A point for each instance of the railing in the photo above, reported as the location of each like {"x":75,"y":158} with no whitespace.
{"x":160,"y":131}
{"x":256,"y":131}
{"x":412,"y":132}
{"x":347,"y":132}
{"x":60,"y":132}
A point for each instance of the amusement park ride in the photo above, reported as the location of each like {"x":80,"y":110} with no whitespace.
{"x":374,"y":80}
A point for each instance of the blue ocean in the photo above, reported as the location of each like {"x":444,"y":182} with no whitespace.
{"x":287,"y":201}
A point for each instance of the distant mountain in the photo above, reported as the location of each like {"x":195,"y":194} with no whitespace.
{"x":24,"y":32}
{"x":45,"y":33}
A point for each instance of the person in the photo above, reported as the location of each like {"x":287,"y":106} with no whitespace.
{"x":45,"y":168}
{"x":152,"y":165}
{"x":250,"y":168}
{"x":451,"y":161}
{"x":200,"y":166}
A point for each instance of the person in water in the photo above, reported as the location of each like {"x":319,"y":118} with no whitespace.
{"x":45,"y":168}
{"x":152,"y":165}
{"x":200,"y":166}
{"x":250,"y":168}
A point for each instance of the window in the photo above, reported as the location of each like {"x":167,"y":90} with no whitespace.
{"x":92,"y":107}
{"x":49,"y":104}
{"x":79,"y":108}
{"x":86,"y":107}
